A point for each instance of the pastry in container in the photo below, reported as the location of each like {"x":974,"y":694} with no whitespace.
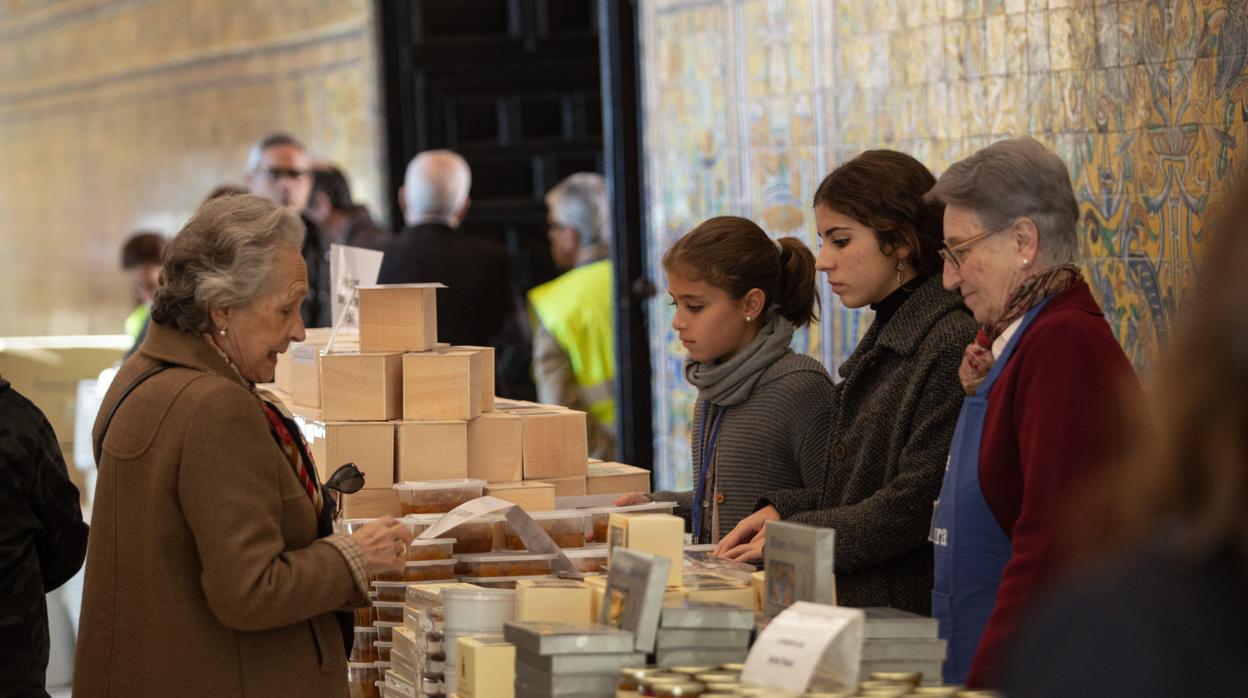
{"x":504,"y":565}
{"x":436,"y":496}
{"x":565,"y":528}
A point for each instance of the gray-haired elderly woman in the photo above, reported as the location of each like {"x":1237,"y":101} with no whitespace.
{"x":1044,"y":382}
{"x":211,"y":567}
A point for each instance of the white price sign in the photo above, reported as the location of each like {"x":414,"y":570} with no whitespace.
{"x":808,"y":646}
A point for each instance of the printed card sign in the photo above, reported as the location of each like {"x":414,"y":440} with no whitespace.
{"x":808,"y":647}
{"x":350,"y":268}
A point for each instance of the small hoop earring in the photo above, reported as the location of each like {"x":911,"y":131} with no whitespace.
{"x":899,"y":269}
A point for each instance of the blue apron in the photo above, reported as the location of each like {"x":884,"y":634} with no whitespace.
{"x":971,"y":550}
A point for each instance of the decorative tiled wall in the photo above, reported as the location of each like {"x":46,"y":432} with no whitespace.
{"x":119,"y":114}
{"x":749,"y":103}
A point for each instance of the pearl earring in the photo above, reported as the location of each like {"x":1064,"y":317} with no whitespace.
{"x":222,"y":332}
{"x":1026,"y":262}
{"x":748,"y":318}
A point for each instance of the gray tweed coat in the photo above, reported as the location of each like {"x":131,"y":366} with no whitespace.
{"x":774,"y":440}
{"x":892,"y":420}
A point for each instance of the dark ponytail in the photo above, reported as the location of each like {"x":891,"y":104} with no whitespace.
{"x":736,"y":255}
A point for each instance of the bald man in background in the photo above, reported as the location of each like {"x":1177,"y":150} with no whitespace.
{"x":480,"y":307}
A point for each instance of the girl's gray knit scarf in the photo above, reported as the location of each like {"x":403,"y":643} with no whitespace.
{"x":730,"y":382}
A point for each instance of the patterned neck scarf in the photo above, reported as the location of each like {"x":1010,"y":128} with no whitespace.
{"x":282,"y":427}
{"x":977,"y":360}
{"x":291,"y":446}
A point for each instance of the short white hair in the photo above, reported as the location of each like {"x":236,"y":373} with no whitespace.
{"x":580,"y":202}
{"x":436,"y":185}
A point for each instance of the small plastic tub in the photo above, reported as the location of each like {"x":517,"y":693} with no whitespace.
{"x":389,"y":611}
{"x":436,"y":496}
{"x":385,"y":630}
{"x":502,"y":582}
{"x":390,"y":591}
{"x":367,"y":615}
{"x":504,"y":565}
{"x":589,"y":560}
{"x":600,"y":516}
{"x":431,"y":549}
{"x":382,"y":650}
{"x":565,"y":528}
{"x":429,"y":571}
{"x":364,"y":675}
{"x":362,"y":649}
{"x":382,"y":668}
{"x":476,"y":536}
{"x":478,"y":609}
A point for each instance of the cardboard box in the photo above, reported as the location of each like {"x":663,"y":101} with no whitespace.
{"x":568,"y":486}
{"x":46,"y":371}
{"x":798,"y":561}
{"x":432,"y":451}
{"x":657,"y":534}
{"x":616,"y":478}
{"x":554,"y":443}
{"x":299,"y":367}
{"x":485,"y":667}
{"x":494,"y":448}
{"x":398,"y":317}
{"x":531,"y":495}
{"x":370,"y":504}
{"x":361,"y":387}
{"x":370,"y":445}
{"x":441,"y":385}
{"x":486,"y":378}
{"x":553,"y":601}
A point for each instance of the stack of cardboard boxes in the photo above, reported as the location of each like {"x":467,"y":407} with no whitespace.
{"x":403,"y":407}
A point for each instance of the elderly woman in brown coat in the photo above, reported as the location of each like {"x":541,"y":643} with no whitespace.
{"x":209,"y":572}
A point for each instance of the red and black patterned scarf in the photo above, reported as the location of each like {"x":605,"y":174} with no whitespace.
{"x":977,"y":360}
{"x":291,"y":447}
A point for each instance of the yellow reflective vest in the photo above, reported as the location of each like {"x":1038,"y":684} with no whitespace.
{"x":576,"y":309}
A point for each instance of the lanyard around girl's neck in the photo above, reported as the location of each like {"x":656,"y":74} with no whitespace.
{"x":707,"y":456}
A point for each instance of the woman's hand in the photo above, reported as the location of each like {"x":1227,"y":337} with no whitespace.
{"x":385,"y":545}
{"x":748,"y":551}
{"x":630,"y":499}
{"x":747,"y":532}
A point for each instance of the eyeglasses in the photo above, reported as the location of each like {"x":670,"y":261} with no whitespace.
{"x":957,"y":254}
{"x":276,"y":173}
{"x":347,"y":479}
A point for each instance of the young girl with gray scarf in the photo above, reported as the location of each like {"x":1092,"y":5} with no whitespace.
{"x":761,"y":418}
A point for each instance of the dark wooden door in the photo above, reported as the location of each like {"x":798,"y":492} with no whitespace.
{"x":513,"y":86}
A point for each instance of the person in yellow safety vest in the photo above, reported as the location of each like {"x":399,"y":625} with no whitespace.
{"x":573,"y":315}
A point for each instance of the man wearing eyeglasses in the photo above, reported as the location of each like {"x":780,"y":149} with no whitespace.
{"x":279,"y":170}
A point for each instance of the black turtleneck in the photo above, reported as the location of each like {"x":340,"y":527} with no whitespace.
{"x":887,"y":308}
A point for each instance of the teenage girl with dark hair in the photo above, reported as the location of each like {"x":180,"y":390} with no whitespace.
{"x":893,"y":414}
{"x":761,"y":419}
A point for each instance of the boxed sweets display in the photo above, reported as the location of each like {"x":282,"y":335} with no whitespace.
{"x":798,"y":562}
{"x":657,"y":534}
{"x":600,"y":516}
{"x":539,"y":645}
{"x":553,"y":601}
{"x":899,"y":642}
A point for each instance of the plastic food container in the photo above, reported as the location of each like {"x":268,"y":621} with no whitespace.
{"x":385,"y":630}
{"x":599,"y":516}
{"x":389,"y":611}
{"x":383,"y":650}
{"x":478,"y":609}
{"x":593,"y":559}
{"x":382,"y":668}
{"x":364,"y":675}
{"x":366,"y":616}
{"x":429,"y":571}
{"x":436,"y":496}
{"x":390,"y":591}
{"x":362,"y":650}
{"x":502,"y":582}
{"x":475,"y":536}
{"x":504,"y":565}
{"x":565,"y":528}
{"x":431,"y":549}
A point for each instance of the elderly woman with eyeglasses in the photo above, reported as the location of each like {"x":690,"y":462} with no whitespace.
{"x":1045,"y":381}
{"x":212,"y":569}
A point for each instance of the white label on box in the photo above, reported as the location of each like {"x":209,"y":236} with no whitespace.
{"x":808,"y":646}
{"x":349,"y":268}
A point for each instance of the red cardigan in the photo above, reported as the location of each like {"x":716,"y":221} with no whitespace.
{"x":1054,"y":416}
